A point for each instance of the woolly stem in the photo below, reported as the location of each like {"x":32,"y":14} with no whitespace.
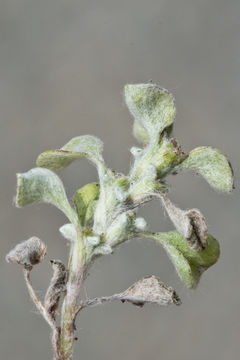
{"x":44,"y":313}
{"x":69,"y":308}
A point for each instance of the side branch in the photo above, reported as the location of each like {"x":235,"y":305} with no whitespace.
{"x":149,"y":289}
{"x":99,"y":301}
{"x":51,"y":322}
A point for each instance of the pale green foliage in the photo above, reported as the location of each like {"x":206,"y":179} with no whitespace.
{"x":69,"y":232}
{"x":140,"y":133}
{"x":103,"y":249}
{"x":42,"y":185}
{"x":189,"y":264}
{"x":120,"y":228}
{"x":140,"y":224}
{"x":213,"y":165}
{"x":113,"y":195}
{"x":164,"y":156}
{"x":85,"y":202}
{"x":93,"y":240}
{"x":105,"y":213}
{"x":152,"y":107}
{"x":145,"y":184}
{"x":80,"y":147}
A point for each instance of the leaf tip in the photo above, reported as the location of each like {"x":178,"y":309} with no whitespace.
{"x":18,"y":198}
{"x":213,"y":165}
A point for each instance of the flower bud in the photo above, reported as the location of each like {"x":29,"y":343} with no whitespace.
{"x":28,"y":253}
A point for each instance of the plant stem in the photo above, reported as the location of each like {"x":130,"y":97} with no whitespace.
{"x":70,"y":304}
{"x":45,"y":314}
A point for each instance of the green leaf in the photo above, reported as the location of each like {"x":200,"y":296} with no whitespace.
{"x":85,"y":202}
{"x":80,"y":147}
{"x":189,"y":264}
{"x":120,"y":229}
{"x":165,"y":156}
{"x":213,"y":165}
{"x":140,"y":133}
{"x":42,"y":185}
{"x":146,"y":184}
{"x":152,"y":107}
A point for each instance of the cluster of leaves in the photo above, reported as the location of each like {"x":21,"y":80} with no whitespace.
{"x":104,"y":213}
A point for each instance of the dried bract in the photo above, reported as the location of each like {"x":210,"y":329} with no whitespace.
{"x":56,"y":287}
{"x":150,"y":289}
{"x":190,"y":223}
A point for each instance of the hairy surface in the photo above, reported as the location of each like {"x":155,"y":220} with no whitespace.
{"x":56,"y":288}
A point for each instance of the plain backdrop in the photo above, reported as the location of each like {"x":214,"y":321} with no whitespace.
{"x":63,"y":66}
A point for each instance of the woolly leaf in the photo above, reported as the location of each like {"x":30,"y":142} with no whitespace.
{"x":85,"y":203}
{"x":146,"y":184}
{"x":152,"y":107}
{"x":213,"y":165}
{"x":69,"y":232}
{"x":140,"y":133}
{"x":140,"y":224}
{"x":189,"y":264}
{"x":80,"y":147}
{"x":93,"y":240}
{"x":164,"y":156}
{"x":103,"y":249}
{"x":42,"y":185}
{"x":120,"y":228}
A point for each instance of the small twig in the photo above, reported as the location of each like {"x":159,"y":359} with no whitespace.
{"x":36,"y":301}
{"x":94,"y":302}
{"x":147,"y":290}
{"x":44,"y":313}
{"x":99,"y":301}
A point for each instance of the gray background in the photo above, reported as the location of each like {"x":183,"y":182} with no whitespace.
{"x":63,"y":66}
